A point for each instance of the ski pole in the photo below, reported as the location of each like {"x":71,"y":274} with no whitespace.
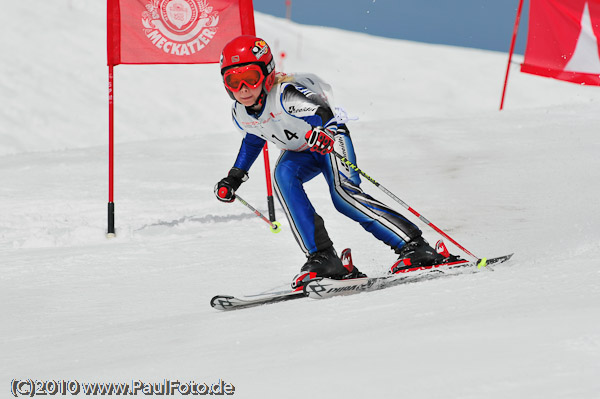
{"x":404,"y":204}
{"x":275,"y":225}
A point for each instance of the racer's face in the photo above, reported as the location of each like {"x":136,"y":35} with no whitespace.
{"x":247,"y":96}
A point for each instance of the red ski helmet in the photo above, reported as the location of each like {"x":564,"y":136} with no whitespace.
{"x":247,"y":49}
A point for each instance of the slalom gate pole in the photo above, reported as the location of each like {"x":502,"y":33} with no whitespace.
{"x":110,"y":231}
{"x":404,"y":204}
{"x":511,"y":51}
{"x":275,"y":226}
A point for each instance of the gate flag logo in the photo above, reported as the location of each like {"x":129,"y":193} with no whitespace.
{"x":563,"y":41}
{"x":180,"y":27}
{"x":174,"y":31}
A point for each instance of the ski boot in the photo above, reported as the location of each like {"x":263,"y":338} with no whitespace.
{"x":326,"y":264}
{"x":418,"y":253}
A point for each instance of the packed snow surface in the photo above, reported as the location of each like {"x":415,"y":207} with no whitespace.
{"x":78,"y":306}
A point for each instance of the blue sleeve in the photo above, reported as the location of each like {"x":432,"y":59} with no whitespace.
{"x":250,"y":150}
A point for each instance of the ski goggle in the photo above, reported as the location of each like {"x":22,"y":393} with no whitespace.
{"x":250,"y":75}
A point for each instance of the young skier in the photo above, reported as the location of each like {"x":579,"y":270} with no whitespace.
{"x":296,"y":114}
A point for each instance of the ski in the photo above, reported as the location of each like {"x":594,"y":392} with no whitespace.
{"x":321,"y":288}
{"x":278,"y":294}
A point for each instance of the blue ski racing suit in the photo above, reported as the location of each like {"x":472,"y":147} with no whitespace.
{"x":291,"y":108}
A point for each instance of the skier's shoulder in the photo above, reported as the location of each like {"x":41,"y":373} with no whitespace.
{"x":240,"y":116}
{"x":237,"y":110}
{"x":302,"y":82}
{"x":304,"y":87}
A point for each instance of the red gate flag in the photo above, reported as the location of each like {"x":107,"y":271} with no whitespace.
{"x":563,"y":40}
{"x":174,"y":31}
{"x":170,"y":32}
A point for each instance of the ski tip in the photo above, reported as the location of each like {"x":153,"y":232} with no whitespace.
{"x":218,"y":300}
{"x":482,"y":263}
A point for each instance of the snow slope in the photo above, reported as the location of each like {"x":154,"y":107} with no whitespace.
{"x":77,"y":306}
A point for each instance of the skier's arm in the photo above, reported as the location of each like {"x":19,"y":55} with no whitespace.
{"x":310,"y":107}
{"x":304,"y":104}
{"x":249,"y":151}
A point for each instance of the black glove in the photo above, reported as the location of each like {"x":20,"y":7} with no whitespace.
{"x":225,"y":189}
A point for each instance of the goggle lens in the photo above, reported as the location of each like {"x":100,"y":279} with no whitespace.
{"x":250,"y":75}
